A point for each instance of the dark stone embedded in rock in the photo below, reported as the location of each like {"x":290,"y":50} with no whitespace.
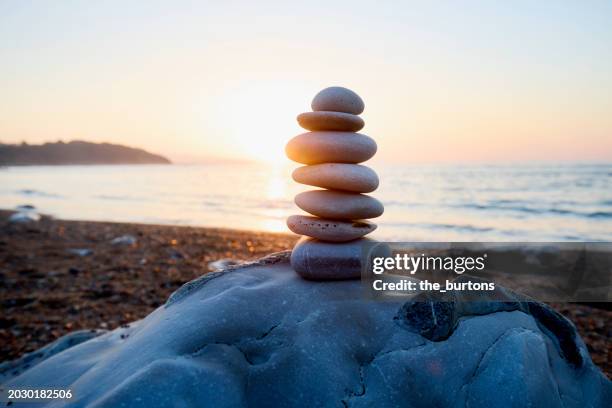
{"x":561,"y":328}
{"x":431,"y":319}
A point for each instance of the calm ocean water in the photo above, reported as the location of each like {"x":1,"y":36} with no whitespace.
{"x":551,"y":202}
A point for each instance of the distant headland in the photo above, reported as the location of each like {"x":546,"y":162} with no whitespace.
{"x":75,"y":152}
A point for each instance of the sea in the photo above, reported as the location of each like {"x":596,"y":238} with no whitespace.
{"x":511,"y":203}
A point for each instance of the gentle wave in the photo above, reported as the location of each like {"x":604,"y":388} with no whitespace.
{"x":540,"y":211}
{"x":38,"y":193}
{"x":466,"y":228}
{"x":601,"y":215}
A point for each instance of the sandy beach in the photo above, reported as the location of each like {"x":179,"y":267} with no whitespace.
{"x":59,"y":276}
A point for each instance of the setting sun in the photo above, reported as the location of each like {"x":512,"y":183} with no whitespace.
{"x":259,"y":118}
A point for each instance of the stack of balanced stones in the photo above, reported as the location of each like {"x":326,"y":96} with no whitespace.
{"x":331,"y":248}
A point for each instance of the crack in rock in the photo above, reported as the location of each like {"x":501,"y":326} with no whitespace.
{"x":362,"y":387}
{"x":267,"y":332}
{"x":481,"y":359}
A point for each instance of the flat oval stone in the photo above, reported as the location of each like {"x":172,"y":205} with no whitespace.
{"x":329,"y":230}
{"x":330,"y":147}
{"x":338,"y":99}
{"x":323,"y":261}
{"x":338,"y":176}
{"x":323,"y":120}
{"x":339,"y":205}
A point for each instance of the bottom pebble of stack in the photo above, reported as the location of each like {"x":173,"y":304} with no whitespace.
{"x":324,"y":261}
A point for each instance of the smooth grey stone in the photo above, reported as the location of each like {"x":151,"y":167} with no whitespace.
{"x":338,"y":176}
{"x":313,"y":259}
{"x":223,"y":263}
{"x":259,"y":334}
{"x":128,"y":240}
{"x":330,"y":147}
{"x":329,"y":230}
{"x":339,"y":205}
{"x":338,"y":99}
{"x":80,"y":251}
{"x":24,"y":217}
{"x":323,"y":120}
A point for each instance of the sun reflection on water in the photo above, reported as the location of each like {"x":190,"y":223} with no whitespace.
{"x":278,"y":196}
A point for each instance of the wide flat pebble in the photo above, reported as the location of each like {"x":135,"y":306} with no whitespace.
{"x":330,"y":147}
{"x":338,"y":176}
{"x":317,"y":260}
{"x":329,"y":230}
{"x":338,"y":99}
{"x":339,"y":205}
{"x":323,"y":120}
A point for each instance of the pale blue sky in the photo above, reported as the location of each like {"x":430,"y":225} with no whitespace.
{"x":442,"y":81}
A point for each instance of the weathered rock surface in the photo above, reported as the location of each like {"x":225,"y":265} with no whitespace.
{"x":329,"y":230}
{"x":338,"y":99}
{"x":344,"y":122}
{"x":330,"y":147}
{"x":339,"y":205}
{"x":338,"y":176}
{"x":259,"y":335}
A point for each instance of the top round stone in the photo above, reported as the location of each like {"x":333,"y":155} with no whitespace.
{"x":338,"y":99}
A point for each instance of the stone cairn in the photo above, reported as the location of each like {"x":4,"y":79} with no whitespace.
{"x":331,"y":150}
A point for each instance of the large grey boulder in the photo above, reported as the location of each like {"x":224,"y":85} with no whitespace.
{"x":259,"y":335}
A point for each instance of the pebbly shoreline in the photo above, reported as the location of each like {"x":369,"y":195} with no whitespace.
{"x":59,"y":276}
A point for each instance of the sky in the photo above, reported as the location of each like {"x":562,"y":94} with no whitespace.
{"x":442,"y":81}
